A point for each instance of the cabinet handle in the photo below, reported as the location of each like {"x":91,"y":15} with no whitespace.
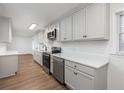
{"x":75,"y":73}
{"x":75,"y":66}
{"x":85,"y":36}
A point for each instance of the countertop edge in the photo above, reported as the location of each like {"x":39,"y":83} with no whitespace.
{"x":95,"y":67}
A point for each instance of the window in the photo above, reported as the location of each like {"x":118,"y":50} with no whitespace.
{"x":121,"y":32}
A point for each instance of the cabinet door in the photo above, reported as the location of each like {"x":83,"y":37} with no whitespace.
{"x":69,"y":28}
{"x":58,"y":32}
{"x":96,"y":20}
{"x":84,"y":81}
{"x":51,"y":64}
{"x":66,"y":29}
{"x":79,"y":25}
{"x":70,"y":77}
{"x":63,"y":30}
{"x":5,"y":30}
{"x":41,"y":59}
{"x":38,"y":57}
{"x":34,"y":55}
{"x":7,"y":69}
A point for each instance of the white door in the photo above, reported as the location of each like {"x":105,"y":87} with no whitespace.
{"x":69,"y":28}
{"x":79,"y":25}
{"x":70,"y":77}
{"x":84,"y":81}
{"x":95,"y":20}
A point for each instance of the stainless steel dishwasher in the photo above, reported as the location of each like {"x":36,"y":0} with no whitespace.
{"x":58,"y":69}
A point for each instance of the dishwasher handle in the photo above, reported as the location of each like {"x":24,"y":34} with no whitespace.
{"x":58,"y":59}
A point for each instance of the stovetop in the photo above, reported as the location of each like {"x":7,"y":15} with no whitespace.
{"x":53,"y":50}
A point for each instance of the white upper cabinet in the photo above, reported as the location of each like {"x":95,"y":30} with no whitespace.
{"x":89,"y":23}
{"x":97,"y":21}
{"x":5,"y":30}
{"x":69,"y":28}
{"x":66,"y":29}
{"x":62,"y":30}
{"x":79,"y":25}
{"x":58,"y":32}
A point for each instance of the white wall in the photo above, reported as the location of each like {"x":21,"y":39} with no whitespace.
{"x":92,"y":47}
{"x":22,"y":44}
{"x":3,"y":47}
{"x":116,"y":66}
{"x":38,"y":40}
{"x":116,"y":72}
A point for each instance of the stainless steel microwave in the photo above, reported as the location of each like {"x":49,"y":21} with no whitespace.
{"x":51,"y":35}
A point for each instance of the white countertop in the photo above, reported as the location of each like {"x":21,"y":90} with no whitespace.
{"x":94,"y":61}
{"x":41,"y":51}
{"x":6,"y":53}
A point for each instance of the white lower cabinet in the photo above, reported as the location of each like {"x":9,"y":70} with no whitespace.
{"x":84,"y":81}
{"x":8,"y":65}
{"x":37,"y":56}
{"x":41,"y":59}
{"x":70,"y":77}
{"x":51,"y":64}
{"x":80,"y":78}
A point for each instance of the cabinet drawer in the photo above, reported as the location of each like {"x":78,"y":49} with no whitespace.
{"x":70,"y":64}
{"x":80,"y":67}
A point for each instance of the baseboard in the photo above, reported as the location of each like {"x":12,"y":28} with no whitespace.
{"x":20,"y":54}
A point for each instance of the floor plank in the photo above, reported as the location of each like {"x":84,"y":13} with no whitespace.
{"x":30,"y":76}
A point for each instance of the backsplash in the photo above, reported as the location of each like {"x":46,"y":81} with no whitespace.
{"x":80,"y":47}
{"x":3,"y":47}
{"x":93,"y":47}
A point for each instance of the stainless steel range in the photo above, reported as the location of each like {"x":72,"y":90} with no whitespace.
{"x":46,"y":58}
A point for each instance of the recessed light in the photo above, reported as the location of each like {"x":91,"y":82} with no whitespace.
{"x":32,"y":26}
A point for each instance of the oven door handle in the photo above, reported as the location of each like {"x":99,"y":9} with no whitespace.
{"x":46,"y":55}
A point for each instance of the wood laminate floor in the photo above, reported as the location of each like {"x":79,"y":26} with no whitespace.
{"x":30,"y":76}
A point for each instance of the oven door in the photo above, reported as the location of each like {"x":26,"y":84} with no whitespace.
{"x":46,"y":62}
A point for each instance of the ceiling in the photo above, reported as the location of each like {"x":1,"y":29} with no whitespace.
{"x":24,"y":14}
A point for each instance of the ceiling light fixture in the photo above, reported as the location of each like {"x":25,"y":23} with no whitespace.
{"x":32,"y":26}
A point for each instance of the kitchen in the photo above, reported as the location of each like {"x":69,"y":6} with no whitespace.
{"x":78,"y":48}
